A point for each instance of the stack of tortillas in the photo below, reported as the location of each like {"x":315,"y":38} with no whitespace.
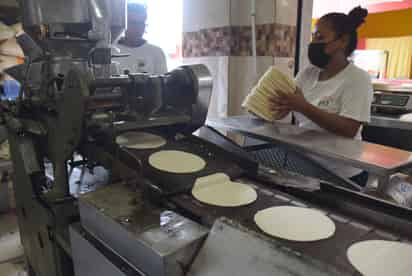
{"x":258,"y":101}
{"x":10,"y":52}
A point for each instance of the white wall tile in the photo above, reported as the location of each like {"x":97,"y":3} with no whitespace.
{"x":219,"y":68}
{"x":306,"y":33}
{"x":243,"y":78}
{"x":265,"y":11}
{"x":204,"y":14}
{"x":286,"y":12}
{"x":285,"y":65}
{"x":241,"y":12}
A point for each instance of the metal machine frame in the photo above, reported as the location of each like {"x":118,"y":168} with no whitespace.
{"x":70,"y":100}
{"x":145,"y":222}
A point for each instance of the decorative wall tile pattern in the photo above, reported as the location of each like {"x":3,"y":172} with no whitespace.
{"x":207,"y":42}
{"x":271,"y":40}
{"x":241,"y":41}
{"x":285,"y":37}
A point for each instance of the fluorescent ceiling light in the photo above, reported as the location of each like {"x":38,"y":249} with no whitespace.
{"x":382,"y":1}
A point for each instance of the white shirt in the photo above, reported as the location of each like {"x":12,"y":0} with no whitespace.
{"x":348,"y":94}
{"x":147,"y":58}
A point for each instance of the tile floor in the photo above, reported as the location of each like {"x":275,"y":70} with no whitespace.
{"x":11,"y":251}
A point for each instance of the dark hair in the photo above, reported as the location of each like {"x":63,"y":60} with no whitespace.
{"x":136,"y":7}
{"x":348,"y":24}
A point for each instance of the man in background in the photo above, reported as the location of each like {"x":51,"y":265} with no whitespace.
{"x":144,"y":57}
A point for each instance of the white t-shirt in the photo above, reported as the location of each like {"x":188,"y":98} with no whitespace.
{"x":147,"y":58}
{"x":348,"y":94}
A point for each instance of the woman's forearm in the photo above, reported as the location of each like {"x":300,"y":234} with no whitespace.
{"x":331,"y":122}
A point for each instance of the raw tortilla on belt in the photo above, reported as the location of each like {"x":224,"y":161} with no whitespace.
{"x":140,"y":140}
{"x":295,"y":223}
{"x":218,"y":190}
{"x":174,"y":161}
{"x":381,"y":258}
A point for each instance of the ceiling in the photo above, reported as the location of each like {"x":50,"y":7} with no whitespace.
{"x":372,"y":2}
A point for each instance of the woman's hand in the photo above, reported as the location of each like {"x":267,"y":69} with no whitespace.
{"x":286,"y":102}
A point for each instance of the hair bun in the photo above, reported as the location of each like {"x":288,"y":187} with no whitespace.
{"x":357,"y":17}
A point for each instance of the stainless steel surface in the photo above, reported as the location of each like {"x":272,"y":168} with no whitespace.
{"x":156,"y":241}
{"x":150,"y":122}
{"x":3,"y":134}
{"x":179,"y":97}
{"x":357,"y":217}
{"x":93,"y":258}
{"x":33,"y":76}
{"x":274,"y":157}
{"x":403,"y":121}
{"x":233,"y":250}
{"x":377,"y":159}
{"x":392,"y":87}
{"x":391,"y":102}
{"x":204,"y":85}
{"x":118,"y":15}
{"x":29,"y":47}
{"x":392,"y":96}
{"x":31,"y":164}
{"x":62,"y":65}
{"x":288,"y":179}
{"x":106,"y":15}
{"x":37,"y":12}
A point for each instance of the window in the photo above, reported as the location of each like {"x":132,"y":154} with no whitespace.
{"x":164,"y":27}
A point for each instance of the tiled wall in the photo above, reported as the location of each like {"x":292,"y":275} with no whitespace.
{"x":306,"y":32}
{"x":218,"y":34}
{"x":271,"y":40}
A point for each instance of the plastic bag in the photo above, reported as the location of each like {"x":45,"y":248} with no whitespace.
{"x":6,"y":32}
{"x":11,"y":48}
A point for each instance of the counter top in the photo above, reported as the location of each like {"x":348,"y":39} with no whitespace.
{"x":376,"y":159}
{"x":403,"y":121}
{"x":404,"y":86}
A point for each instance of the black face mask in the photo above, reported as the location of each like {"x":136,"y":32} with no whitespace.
{"x":317,"y":55}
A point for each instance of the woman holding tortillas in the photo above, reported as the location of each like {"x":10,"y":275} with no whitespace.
{"x":332,"y":94}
